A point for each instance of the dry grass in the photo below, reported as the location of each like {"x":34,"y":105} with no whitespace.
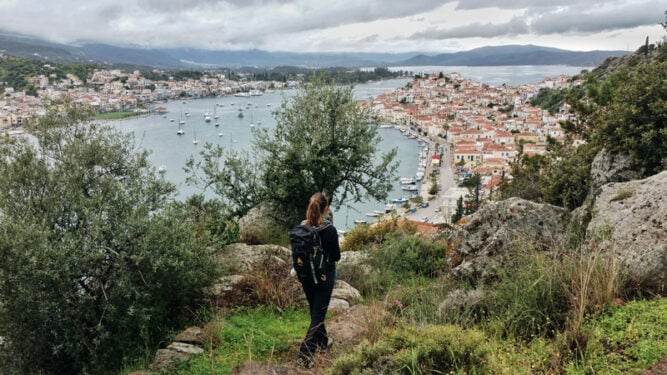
{"x":269,"y":285}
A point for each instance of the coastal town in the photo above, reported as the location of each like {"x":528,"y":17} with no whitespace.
{"x":465,"y":127}
{"x":470,"y":128}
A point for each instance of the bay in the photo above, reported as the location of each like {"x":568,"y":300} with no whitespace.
{"x":157,"y":133}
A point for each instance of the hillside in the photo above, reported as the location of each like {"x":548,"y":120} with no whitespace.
{"x":515,"y":55}
{"x":191,"y":58}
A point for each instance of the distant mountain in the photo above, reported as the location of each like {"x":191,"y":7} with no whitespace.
{"x":190,"y":58}
{"x":514,"y":55}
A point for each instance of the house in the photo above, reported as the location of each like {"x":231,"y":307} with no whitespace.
{"x":449,"y":200}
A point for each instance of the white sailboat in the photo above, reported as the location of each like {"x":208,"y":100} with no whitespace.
{"x":194,"y":140}
{"x":180,"y":131}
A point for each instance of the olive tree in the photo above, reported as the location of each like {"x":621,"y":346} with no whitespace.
{"x":321,"y":142}
{"x":97,"y":263}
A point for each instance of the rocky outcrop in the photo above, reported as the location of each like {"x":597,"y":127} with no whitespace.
{"x":186,"y":344}
{"x":484,"y":240}
{"x":257,"y":223}
{"x":630,"y":220}
{"x":244,"y":259}
{"x":608,"y":167}
{"x":241,"y":258}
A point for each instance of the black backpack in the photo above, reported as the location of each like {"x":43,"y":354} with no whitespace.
{"x":308,"y":257}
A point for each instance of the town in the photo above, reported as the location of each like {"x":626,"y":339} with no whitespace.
{"x":478,"y":129}
{"x":471,"y":128}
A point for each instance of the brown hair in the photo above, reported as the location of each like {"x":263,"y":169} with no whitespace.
{"x":316,"y":206}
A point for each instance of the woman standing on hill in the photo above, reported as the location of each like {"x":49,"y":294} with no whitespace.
{"x":319,"y":294}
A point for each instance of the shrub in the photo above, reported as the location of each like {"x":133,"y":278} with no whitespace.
{"x":363,"y":236}
{"x":429,"y":349}
{"x":96,"y":264}
{"x":529,"y":298}
{"x":268,"y":285}
{"x":628,"y":339}
{"x":418,"y":299}
{"x":410,"y":255}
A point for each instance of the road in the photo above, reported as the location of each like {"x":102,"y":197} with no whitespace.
{"x":445,"y":180}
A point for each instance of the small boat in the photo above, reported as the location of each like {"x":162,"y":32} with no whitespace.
{"x":220,"y":134}
{"x":162,"y":169}
{"x":407,"y":181}
{"x":371,"y":214}
{"x":171,"y":120}
{"x":180,"y":132}
{"x":389,"y":207}
{"x":240,"y":114}
{"x":194,"y":140}
{"x":400,"y":200}
{"x":217,"y":124}
{"x":360,"y":221}
{"x":409,"y":188}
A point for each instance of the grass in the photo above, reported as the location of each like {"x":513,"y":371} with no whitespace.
{"x":115,"y":115}
{"x":260,"y":334}
{"x":544,"y":314}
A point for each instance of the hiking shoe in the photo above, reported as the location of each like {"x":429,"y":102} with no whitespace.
{"x":324,"y":348}
{"x":306,"y":362}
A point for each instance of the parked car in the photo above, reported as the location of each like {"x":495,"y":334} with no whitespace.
{"x":425,"y":204}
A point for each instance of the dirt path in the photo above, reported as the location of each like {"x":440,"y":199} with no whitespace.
{"x":347,"y":328}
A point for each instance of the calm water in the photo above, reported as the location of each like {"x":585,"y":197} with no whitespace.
{"x":157,"y":133}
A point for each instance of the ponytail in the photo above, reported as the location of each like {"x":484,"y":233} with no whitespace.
{"x":316,"y":206}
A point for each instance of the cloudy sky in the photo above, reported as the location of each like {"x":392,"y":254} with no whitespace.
{"x":340,"y":25}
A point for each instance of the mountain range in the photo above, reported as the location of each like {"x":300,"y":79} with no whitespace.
{"x":191,"y":58}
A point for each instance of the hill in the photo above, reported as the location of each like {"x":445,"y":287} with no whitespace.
{"x":192,"y":58}
{"x":515,"y":55}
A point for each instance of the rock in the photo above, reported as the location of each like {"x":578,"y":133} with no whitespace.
{"x":166,"y":358}
{"x":182,"y":347}
{"x":224,"y":284}
{"x":241,"y":258}
{"x":338,"y":304}
{"x":459,"y":300}
{"x":191,"y":335}
{"x":487,"y":237}
{"x":344,"y":291}
{"x":257,"y":223}
{"x":608,"y":167}
{"x":355,"y":259}
{"x":630,"y":219}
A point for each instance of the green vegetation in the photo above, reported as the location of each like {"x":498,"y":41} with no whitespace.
{"x":622,"y":111}
{"x":321,"y":143}
{"x":259,"y":334}
{"x":425,"y":350}
{"x":97,"y":263}
{"x":549,"y":99}
{"x":115,"y":115}
{"x":16,"y":72}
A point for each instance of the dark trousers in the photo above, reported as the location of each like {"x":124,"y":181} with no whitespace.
{"x":318,"y":296}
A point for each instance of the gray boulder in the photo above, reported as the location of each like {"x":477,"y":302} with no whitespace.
{"x":486,"y":238}
{"x":629,"y":219}
{"x":608,"y":167}
{"x":242,"y":258}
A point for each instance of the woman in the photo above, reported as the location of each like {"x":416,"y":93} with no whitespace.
{"x":319,"y":294}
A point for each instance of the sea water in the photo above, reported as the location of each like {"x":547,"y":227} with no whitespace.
{"x":158,"y":133}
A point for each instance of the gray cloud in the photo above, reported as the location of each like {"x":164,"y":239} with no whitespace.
{"x":578,"y":20}
{"x":515,"y":26}
{"x":310,"y":25}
